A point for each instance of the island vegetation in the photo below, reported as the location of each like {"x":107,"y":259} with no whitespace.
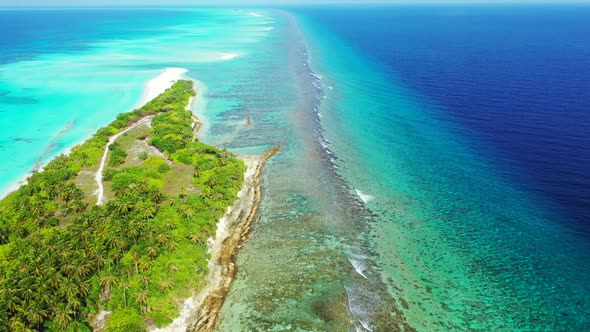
{"x":63,"y":258}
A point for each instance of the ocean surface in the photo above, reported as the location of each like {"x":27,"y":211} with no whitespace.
{"x":469,"y":126}
{"x":434,"y":165}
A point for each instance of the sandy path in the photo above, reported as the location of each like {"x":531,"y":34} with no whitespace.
{"x":153,"y":88}
{"x":98,"y":176}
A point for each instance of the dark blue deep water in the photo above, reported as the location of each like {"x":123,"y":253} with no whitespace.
{"x":516,"y":79}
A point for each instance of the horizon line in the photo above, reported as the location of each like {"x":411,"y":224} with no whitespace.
{"x":316,"y":4}
{"x":179,"y":7}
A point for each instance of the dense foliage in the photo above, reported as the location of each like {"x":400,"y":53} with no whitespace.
{"x":137,"y":256}
{"x":117,"y":154}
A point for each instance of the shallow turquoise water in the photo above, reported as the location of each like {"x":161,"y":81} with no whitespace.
{"x":297,"y":268}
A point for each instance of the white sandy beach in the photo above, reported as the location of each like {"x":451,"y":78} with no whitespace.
{"x":159,"y":84}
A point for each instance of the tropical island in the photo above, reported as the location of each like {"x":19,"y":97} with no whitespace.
{"x":114,"y":235}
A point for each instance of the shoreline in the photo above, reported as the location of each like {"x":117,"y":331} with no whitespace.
{"x":152,"y":89}
{"x":159,"y":84}
{"x":198,"y":107}
{"x":200,"y":311}
{"x":237,"y":224}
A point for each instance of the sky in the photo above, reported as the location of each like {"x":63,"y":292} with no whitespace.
{"x":81,"y":3}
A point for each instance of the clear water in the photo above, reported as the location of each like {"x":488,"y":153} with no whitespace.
{"x":432,"y":173}
{"x":475,"y":178}
{"x":468,"y":127}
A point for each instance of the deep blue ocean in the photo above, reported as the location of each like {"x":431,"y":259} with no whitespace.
{"x":515,"y":80}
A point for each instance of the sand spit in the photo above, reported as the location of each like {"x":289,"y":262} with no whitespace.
{"x":159,"y":84}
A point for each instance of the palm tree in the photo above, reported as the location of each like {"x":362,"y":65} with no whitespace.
{"x":120,"y":244}
{"x":27,"y":288}
{"x":63,"y":315}
{"x":166,"y":285}
{"x":146,"y":211}
{"x":134,"y":230}
{"x":86,"y":234}
{"x":35,"y":314}
{"x":161,"y":238}
{"x":12,"y":301}
{"x":117,"y":255}
{"x":68,"y":289}
{"x":125,"y":286}
{"x":99,"y":258}
{"x":44,"y":295}
{"x":225,"y":154}
{"x":109,"y":280}
{"x":69,"y":193}
{"x":187,"y":212}
{"x":212,"y":182}
{"x":195,"y":238}
{"x":61,"y":194}
{"x":134,"y":189}
{"x":16,"y":324}
{"x":156,"y":196}
{"x":54,"y":278}
{"x":81,"y":271}
{"x":141,"y":297}
{"x":84,"y":288}
{"x":183,"y":194}
{"x":172,"y":245}
{"x":146,"y":265}
{"x":136,"y":260}
{"x":75,"y":304}
{"x":79,"y":206}
{"x":36,"y":206}
{"x":68,"y":268}
{"x":172,"y":268}
{"x":146,"y":280}
{"x":152,"y":251}
{"x":123,"y":205}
